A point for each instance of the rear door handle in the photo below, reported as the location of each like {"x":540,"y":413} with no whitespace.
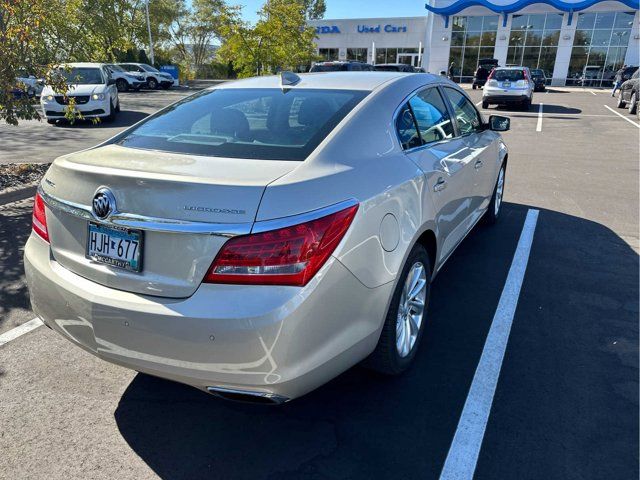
{"x":478,"y":164}
{"x":440,"y":185}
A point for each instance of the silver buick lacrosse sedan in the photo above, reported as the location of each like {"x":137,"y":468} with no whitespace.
{"x":258,"y":238}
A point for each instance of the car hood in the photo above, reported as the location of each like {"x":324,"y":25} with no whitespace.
{"x":77,"y":90}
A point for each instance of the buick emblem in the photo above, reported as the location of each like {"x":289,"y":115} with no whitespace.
{"x":104,"y":203}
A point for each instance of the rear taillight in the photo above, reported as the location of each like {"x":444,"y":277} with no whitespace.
{"x":286,"y":256}
{"x":526,"y":77}
{"x":39,"y":218}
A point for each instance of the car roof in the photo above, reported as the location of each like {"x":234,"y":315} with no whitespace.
{"x":391,"y":65}
{"x":83,"y":64}
{"x":329,"y":80}
{"x":511,"y":68}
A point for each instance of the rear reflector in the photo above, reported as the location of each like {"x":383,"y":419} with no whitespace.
{"x":39,"y":218}
{"x":287,"y":256}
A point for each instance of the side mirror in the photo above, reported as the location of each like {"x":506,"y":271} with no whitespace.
{"x":111,"y":81}
{"x":498,"y":123}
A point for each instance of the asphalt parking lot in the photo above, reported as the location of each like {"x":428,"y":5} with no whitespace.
{"x":566,"y":404}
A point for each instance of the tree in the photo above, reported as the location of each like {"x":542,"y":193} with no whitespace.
{"x":25,"y":27}
{"x":314,"y":9}
{"x":280,"y":39}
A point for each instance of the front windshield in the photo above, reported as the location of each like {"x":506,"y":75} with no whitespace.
{"x":148,"y":68}
{"x":255,"y":123}
{"x":82,"y":76}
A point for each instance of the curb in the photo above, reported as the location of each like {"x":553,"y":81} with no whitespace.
{"x":18,"y":193}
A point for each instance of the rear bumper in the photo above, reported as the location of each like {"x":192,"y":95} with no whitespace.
{"x":283,"y":341}
{"x":502,"y":98}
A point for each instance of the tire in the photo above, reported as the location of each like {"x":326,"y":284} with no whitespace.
{"x":633,"y":103}
{"x":117,"y":110}
{"x":485,"y":104}
{"x":621,"y":103}
{"x":526,"y":105}
{"x":473,"y":87}
{"x":152,"y":83}
{"x":386,"y":358}
{"x":495,"y":205}
{"x":51,"y":121}
{"x":122,"y":85}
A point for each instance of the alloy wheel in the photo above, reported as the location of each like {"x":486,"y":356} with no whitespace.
{"x":411,"y":309}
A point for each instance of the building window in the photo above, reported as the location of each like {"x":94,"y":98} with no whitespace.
{"x":534,"y":41}
{"x":328,"y":54}
{"x":398,"y":55}
{"x":599,"y":47}
{"x":357,"y":54}
{"x":472,"y":38}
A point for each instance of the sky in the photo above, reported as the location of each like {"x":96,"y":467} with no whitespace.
{"x":351,"y":8}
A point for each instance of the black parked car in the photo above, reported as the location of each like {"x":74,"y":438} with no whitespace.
{"x":539,"y":80}
{"x":628,"y":95}
{"x":394,"y":67}
{"x":341,"y":66}
{"x":485,"y":65}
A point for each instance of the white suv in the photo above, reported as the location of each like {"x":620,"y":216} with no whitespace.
{"x":508,"y":85}
{"x":152,"y":76}
{"x":93,"y":90}
{"x":125,"y":80}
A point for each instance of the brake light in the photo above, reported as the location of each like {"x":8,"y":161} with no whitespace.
{"x":39,"y":218}
{"x":286,"y":256}
{"x":526,"y":77}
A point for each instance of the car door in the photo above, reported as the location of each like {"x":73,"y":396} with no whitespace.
{"x":480,"y":147}
{"x":428,"y":135}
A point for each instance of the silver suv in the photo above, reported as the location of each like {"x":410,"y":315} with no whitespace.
{"x":508,"y":85}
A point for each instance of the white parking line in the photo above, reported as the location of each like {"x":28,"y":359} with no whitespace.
{"x":20,"y":330}
{"x":592,"y":92}
{"x":539,"y":126}
{"x":479,"y":103}
{"x":622,"y":116}
{"x":463,"y":454}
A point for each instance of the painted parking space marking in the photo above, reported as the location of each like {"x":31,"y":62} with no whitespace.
{"x":20,"y":330}
{"x":462,"y":458}
{"x":622,"y":116}
{"x":592,"y":92}
{"x":539,"y":125}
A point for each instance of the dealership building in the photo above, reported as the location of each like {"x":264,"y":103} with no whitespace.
{"x":567,"y":39}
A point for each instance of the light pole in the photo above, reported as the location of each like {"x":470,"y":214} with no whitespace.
{"x":146,"y":5}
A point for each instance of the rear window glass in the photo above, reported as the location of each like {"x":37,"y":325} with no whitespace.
{"x":511,"y":75}
{"x":387,"y":68}
{"x":269,"y":124}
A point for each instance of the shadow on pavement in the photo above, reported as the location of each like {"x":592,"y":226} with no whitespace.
{"x":362,"y":425}
{"x":15,"y":227}
{"x":125,"y":118}
{"x":547,"y":109}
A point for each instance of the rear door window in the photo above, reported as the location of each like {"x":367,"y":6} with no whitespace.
{"x":265,"y":123}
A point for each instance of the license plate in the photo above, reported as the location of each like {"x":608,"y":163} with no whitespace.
{"x":115,"y":246}
{"x":506,"y":84}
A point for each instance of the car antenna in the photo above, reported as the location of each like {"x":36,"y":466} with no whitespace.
{"x":288,"y":79}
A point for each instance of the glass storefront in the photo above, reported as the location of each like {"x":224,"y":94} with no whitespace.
{"x":394,"y":55}
{"x":534,"y":40}
{"x":599,"y":47}
{"x":472,"y":38}
{"x":357,"y":54}
{"x":328,"y":54}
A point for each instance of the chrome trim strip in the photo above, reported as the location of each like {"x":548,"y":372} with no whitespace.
{"x":151,"y":224}
{"x":275,"y":398}
{"x":283,"y":222}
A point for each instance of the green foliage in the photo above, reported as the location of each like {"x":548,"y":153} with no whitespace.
{"x":281,"y":39}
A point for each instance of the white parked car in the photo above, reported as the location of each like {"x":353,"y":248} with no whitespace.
{"x":507,"y":86}
{"x":32,"y":86}
{"x":94,"y":91}
{"x":125,"y":80}
{"x":154,"y":77}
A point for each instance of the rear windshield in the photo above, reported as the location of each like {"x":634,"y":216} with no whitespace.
{"x":537,"y":73}
{"x":511,"y":75}
{"x":268,"y":124}
{"x":330,"y":67}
